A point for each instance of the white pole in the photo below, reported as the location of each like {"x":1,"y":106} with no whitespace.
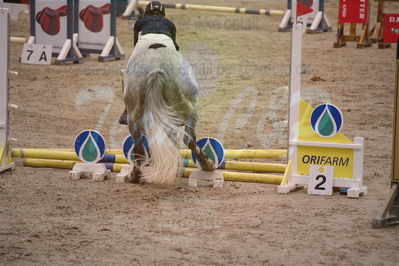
{"x":4,"y":67}
{"x":294,"y":90}
{"x":4,"y":30}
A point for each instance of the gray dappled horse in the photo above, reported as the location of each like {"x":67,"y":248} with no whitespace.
{"x":161,"y":95}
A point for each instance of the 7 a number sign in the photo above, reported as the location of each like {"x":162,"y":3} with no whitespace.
{"x":38,"y":54}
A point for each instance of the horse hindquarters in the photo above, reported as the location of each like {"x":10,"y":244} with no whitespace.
{"x":160,"y":124}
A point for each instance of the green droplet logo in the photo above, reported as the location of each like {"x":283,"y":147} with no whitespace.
{"x":325,"y":126}
{"x":90,"y":146}
{"x":90,"y":151}
{"x":326,"y":120}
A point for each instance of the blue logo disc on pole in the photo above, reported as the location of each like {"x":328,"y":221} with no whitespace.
{"x":326,"y":120}
{"x":212,"y":148}
{"x":90,"y":146}
{"x":128,"y":145}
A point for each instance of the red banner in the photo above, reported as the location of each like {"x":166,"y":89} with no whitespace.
{"x":391,"y":28}
{"x":353,"y":11}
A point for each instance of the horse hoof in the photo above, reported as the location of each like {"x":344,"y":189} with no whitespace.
{"x":123,"y":119}
{"x":208,"y":167}
{"x":136,"y":180}
{"x":132,"y":179}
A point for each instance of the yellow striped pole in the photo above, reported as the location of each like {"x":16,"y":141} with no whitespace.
{"x":64,"y":164}
{"x":48,"y":163}
{"x":116,"y":158}
{"x":228,"y":176}
{"x":62,"y":155}
{"x":218,"y":9}
{"x":18,"y":40}
{"x":242,"y":177}
{"x":245,"y":154}
{"x":2,"y":153}
{"x":284,"y":180}
{"x":185,"y":153}
{"x":245,"y":166}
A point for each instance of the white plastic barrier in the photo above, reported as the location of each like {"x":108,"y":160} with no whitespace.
{"x":5,"y":159}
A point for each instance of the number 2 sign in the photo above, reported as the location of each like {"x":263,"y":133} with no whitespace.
{"x":320,"y":179}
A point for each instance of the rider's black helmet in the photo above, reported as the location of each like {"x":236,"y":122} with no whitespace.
{"x":155,"y":8}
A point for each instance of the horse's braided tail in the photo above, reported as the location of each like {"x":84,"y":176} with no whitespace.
{"x":161,"y":126}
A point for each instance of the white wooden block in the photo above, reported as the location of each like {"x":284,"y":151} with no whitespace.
{"x":214,"y":176}
{"x":120,"y":178}
{"x":98,"y":177}
{"x":356,"y":192}
{"x":97,"y":171}
{"x":192,"y":182}
{"x":125,"y":174}
{"x":74,"y":175}
{"x":218,"y":183}
{"x":285,"y":189}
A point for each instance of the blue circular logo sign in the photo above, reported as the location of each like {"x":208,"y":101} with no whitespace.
{"x":212,"y":148}
{"x":90,"y":146}
{"x":128,"y":145}
{"x":326,"y":120}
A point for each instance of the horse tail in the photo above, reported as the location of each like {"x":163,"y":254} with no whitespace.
{"x":161,"y":127}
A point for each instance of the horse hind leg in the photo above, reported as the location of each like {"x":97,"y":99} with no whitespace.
{"x":123,"y":116}
{"x":191,"y":142}
{"x":138,"y":151}
{"x":140,"y":158}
